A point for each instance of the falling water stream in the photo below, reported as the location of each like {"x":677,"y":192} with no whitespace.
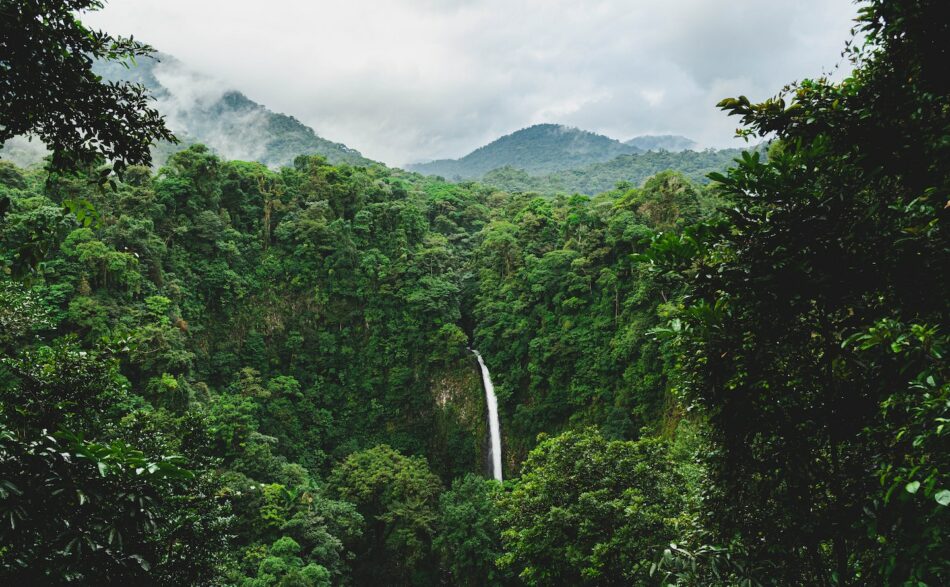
{"x":494,"y":427}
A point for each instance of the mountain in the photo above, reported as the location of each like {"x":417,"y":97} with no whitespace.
{"x":602,"y":176}
{"x":670,"y":143}
{"x":538,"y":149}
{"x":199,"y":109}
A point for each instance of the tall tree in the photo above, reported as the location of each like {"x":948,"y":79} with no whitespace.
{"x":398,"y":496}
{"x":48,"y":88}
{"x":469,"y":539}
{"x":814,"y":336}
{"x":588,"y":511}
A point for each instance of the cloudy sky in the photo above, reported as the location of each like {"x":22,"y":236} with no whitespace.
{"x":411,"y":80}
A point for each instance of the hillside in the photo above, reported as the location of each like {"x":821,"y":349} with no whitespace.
{"x":551,"y":158}
{"x":199,"y":109}
{"x":538,"y":149}
{"x":602,"y":176}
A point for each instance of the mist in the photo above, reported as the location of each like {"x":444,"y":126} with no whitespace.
{"x":408,"y":81}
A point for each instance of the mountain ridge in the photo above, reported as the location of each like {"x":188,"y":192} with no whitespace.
{"x":224,"y":119}
{"x":602,"y":176}
{"x":537,"y":149}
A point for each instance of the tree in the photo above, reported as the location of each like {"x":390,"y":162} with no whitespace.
{"x":398,"y":497}
{"x":79,"y":505}
{"x":282,"y":565}
{"x":469,"y":539}
{"x":589,"y":511}
{"x":813,"y":336}
{"x":666,"y":200}
{"x":48,"y":88}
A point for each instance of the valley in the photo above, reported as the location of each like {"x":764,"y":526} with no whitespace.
{"x":236,"y":353}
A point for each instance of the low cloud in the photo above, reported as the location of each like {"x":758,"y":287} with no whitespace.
{"x":188,"y":104}
{"x":405,"y":80}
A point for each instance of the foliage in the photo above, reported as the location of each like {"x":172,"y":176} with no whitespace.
{"x":77,"y":509}
{"x":812,"y":338}
{"x":566,"y":306}
{"x":469,"y":539}
{"x":208,"y":285}
{"x":398,"y":496}
{"x":588,"y":511}
{"x":283,"y":566}
{"x":48,"y":88}
{"x":223,"y":373}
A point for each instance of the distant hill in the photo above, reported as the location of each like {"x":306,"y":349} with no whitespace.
{"x":602,"y":176}
{"x":662,"y":143}
{"x":539,"y":149}
{"x":199,"y":109}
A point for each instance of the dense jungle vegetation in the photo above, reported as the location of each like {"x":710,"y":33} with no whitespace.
{"x":554,"y":159}
{"x":218,"y":373}
{"x":599,"y":177}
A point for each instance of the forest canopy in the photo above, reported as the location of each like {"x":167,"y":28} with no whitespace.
{"x":216,"y":372}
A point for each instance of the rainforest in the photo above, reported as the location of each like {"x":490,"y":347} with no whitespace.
{"x":643,"y":367}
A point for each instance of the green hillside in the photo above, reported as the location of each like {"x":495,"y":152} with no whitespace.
{"x":228,"y":122}
{"x":542,"y":148}
{"x":598,"y":177}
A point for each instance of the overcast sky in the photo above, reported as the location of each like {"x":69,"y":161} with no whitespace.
{"x":410,"y":80}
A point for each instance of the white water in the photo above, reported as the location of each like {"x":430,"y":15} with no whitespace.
{"x":494,"y":427}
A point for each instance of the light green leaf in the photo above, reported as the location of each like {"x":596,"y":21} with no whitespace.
{"x":912,"y":487}
{"x":943,"y":497}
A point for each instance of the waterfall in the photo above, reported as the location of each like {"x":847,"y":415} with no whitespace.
{"x":494,"y":427}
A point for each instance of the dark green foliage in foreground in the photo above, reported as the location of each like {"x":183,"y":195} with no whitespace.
{"x":815,"y":337}
{"x":79,"y":501}
{"x":469,"y":538}
{"x":222,"y":373}
{"x":48,"y":88}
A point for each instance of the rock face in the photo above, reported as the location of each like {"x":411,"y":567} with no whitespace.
{"x":461,"y":442}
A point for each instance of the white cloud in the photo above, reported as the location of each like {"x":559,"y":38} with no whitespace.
{"x":406,"y":80}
